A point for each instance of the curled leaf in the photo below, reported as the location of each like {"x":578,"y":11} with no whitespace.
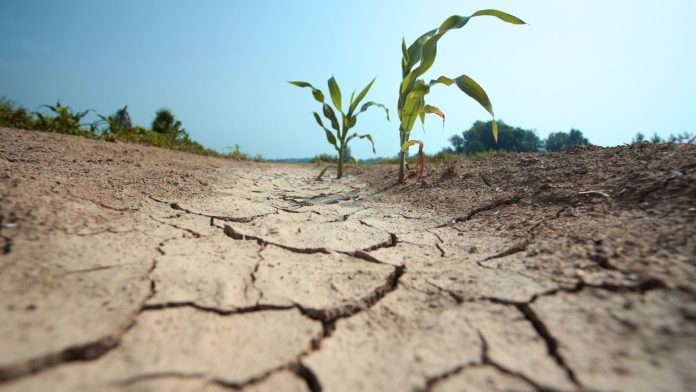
{"x":436,"y":111}
{"x":318,"y":95}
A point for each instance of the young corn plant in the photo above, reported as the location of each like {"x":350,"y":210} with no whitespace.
{"x":416,"y":60}
{"x":64,"y":121}
{"x":340,"y":137}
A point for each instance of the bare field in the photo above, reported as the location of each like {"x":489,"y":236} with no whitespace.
{"x":127,"y":267}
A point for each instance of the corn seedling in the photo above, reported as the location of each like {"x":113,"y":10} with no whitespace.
{"x":416,"y":60}
{"x":339,"y":138}
{"x":64,"y":121}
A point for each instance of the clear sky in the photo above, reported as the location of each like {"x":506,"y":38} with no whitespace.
{"x":609,"y":68}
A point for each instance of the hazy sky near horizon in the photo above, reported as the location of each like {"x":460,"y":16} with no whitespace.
{"x":608,"y":68}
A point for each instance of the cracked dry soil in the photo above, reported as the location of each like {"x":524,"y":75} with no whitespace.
{"x":126,"y":267}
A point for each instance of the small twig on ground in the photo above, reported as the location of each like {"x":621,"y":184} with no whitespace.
{"x":600,"y":193}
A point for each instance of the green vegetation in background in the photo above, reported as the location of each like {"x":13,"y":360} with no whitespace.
{"x":415,"y":61}
{"x":479,"y":139}
{"x":514,"y":139}
{"x":166,"y":131}
{"x":443,"y":156}
{"x":64,"y":120}
{"x":13,"y":116}
{"x":560,"y":141}
{"x":328,"y":158}
{"x":349,"y":118}
{"x":684,"y":137}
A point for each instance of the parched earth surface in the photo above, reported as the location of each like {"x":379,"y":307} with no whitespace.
{"x":124,"y":267}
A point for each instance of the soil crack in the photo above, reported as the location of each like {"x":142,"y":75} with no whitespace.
{"x":487,"y":207}
{"x":550,"y":340}
{"x":232,"y":233}
{"x":178,"y":207}
{"x":332,"y":314}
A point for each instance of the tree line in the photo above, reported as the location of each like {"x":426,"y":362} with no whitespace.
{"x":479,"y":139}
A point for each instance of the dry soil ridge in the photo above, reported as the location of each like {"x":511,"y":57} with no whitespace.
{"x":129,"y":267}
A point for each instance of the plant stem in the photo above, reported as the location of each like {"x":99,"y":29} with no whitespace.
{"x":339,"y":171}
{"x":402,"y":156}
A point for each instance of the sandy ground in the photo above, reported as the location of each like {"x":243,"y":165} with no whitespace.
{"x":126,"y":267}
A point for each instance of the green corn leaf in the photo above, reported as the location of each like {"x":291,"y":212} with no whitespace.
{"x":331,"y":116}
{"x":335,"y":93}
{"x":453,"y":22}
{"x":407,"y":82}
{"x":359,"y":98}
{"x":369,"y":137}
{"x":54,"y":109}
{"x":412,"y":107}
{"x":79,"y":115}
{"x":404,"y":57}
{"x":500,"y":15}
{"x":365,"y":136}
{"x":329,"y":136}
{"x":469,"y":87}
{"x":352,"y":97}
{"x":429,"y":47}
{"x":352,"y":120}
{"x":415,"y":50}
{"x":441,"y":80}
{"x":367,"y":105}
{"x":407,"y":145}
{"x":429,"y":53}
{"x":318,"y":95}
{"x":495,"y":130}
{"x":475,"y":91}
{"x":404,"y":49}
{"x":433,"y":110}
{"x":322,"y":172}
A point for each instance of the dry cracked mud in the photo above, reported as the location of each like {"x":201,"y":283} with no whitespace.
{"x":126,"y":267}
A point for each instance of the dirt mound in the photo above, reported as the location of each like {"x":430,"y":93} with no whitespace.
{"x":630,"y":207}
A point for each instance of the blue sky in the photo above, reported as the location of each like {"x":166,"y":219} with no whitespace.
{"x":609,"y":68}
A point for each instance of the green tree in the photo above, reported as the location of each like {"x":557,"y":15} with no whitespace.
{"x":458,"y":144}
{"x":640,"y":138}
{"x":680,"y":137}
{"x":656,"y":139}
{"x":479,"y":138}
{"x":165,"y":123}
{"x":576,"y":138}
{"x":556,"y":141}
{"x":560,"y":141}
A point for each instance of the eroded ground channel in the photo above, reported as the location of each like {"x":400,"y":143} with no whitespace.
{"x":147,"y":270}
